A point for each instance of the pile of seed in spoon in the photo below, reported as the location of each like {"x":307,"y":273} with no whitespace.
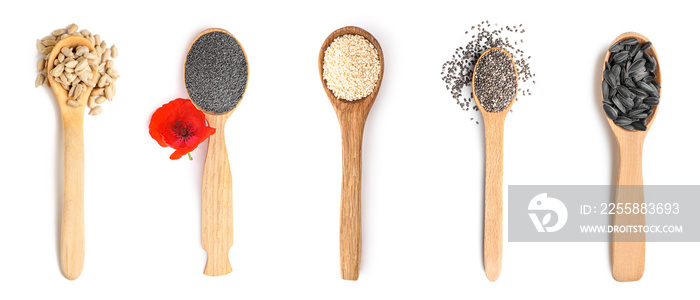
{"x":216,"y":72}
{"x":73,"y":67}
{"x":457,"y":72}
{"x":351,"y":67}
{"x":629,"y":89}
{"x":495,"y":80}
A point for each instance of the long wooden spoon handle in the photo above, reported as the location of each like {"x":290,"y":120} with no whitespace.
{"x":350,"y":199}
{"x":493,"y":194}
{"x":217,"y":211}
{"x":628,"y":248}
{"x":72,"y":252}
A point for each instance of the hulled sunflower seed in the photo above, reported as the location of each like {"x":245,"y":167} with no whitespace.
{"x":91,"y":56}
{"x":100,"y":99}
{"x":39,"y":80}
{"x":39,"y":46}
{"x":72,"y":29}
{"x":113,"y":73}
{"x":114,"y":52}
{"x":73,"y":103}
{"x":97,"y":92}
{"x":58,"y":32}
{"x":106,"y":55}
{"x":40,"y":65}
{"x":48,"y":42}
{"x":57,"y":70}
{"x":46,"y":50}
{"x":104,"y":79}
{"x":95,"y":110}
{"x":81,"y":66}
{"x":110,"y":90}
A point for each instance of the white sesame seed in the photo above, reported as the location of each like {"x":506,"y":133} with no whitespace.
{"x":351,"y":67}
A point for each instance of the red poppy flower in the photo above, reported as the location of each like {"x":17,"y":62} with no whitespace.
{"x":179,"y":125}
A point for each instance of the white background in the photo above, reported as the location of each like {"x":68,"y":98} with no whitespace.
{"x":423,"y":157}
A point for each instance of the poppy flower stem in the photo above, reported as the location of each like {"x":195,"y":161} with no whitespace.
{"x":190,"y":155}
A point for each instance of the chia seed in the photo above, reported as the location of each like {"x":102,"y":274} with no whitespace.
{"x":457,"y":72}
{"x":216,"y":72}
{"x":495,"y":81}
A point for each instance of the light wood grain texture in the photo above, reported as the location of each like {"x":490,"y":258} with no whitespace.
{"x":352,"y":116}
{"x":217,"y":206}
{"x":628,"y":250}
{"x":72,"y":245}
{"x":493,"y":191}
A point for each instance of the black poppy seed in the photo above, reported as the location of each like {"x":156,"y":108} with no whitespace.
{"x":216,"y":72}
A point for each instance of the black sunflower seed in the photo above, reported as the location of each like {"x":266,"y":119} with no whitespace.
{"x":621,"y":120}
{"x":609,"y":78}
{"x":639,"y":126}
{"x":628,"y":127}
{"x":610,"y":111}
{"x":638,"y":116}
{"x":638,"y":101}
{"x":637,"y":66}
{"x":636,"y":111}
{"x":638,"y":92}
{"x":624,"y":91}
{"x":646,"y":87}
{"x":639,"y":55}
{"x":651,"y":62}
{"x":621,"y":57}
{"x":627,"y":102}
{"x":606,"y":90}
{"x":640,"y":75}
{"x":618,"y":104}
{"x":646,"y":46}
{"x":656,"y":85}
{"x":617,"y":47}
{"x":652,"y":101}
{"x":630,"y":42}
{"x":616,"y":69}
{"x":634,"y":50}
{"x":630,"y":83}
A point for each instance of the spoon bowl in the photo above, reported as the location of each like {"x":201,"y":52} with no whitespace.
{"x":352,"y":116}
{"x":617,"y":130}
{"x":628,"y":249}
{"x":494,"y":123}
{"x":72,"y":245}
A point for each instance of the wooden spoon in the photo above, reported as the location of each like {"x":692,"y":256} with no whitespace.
{"x":493,"y":191}
{"x":72,"y":249}
{"x":351,"y":116}
{"x":217,"y":197}
{"x":628,"y":256}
